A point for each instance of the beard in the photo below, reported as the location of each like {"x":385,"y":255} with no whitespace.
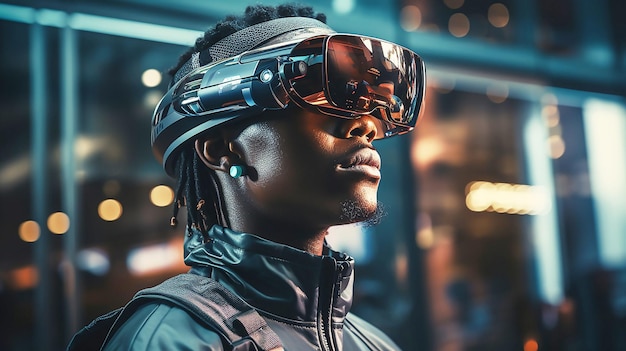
{"x":354,"y":212}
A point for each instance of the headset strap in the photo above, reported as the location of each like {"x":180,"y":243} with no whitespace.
{"x":215,"y":306}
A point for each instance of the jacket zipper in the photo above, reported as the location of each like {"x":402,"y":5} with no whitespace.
{"x":328,"y":295}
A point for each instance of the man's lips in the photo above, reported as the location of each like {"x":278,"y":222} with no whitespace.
{"x":364,"y":160}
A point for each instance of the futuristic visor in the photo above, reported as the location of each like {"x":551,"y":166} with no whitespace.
{"x":349,"y":76}
{"x":339,"y":75}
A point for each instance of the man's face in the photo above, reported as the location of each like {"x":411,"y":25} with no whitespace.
{"x":311,"y":169}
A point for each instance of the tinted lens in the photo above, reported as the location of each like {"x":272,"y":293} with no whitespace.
{"x":365,"y":74}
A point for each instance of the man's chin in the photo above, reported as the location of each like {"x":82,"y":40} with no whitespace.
{"x":366,"y":213}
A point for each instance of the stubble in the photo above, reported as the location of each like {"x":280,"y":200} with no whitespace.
{"x":353,"y":212}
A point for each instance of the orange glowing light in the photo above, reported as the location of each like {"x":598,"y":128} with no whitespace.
{"x":531,"y":345}
{"x":23,"y":278}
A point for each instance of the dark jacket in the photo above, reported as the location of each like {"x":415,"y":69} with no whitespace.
{"x":304,"y":298}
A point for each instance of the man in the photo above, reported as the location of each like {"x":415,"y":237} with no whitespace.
{"x":268,"y":127}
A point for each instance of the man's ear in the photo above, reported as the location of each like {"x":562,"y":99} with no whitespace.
{"x":214,"y":153}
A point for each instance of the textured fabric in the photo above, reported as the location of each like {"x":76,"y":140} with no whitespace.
{"x":305,"y":299}
{"x":246,"y":39}
{"x":210,"y":302}
{"x":252,"y":36}
{"x":190,"y":65}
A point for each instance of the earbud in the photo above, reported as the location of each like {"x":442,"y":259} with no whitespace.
{"x":236,"y":171}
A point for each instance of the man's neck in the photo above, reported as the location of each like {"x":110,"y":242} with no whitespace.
{"x":296,"y":236}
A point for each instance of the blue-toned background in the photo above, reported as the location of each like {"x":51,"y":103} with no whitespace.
{"x":506,"y":207}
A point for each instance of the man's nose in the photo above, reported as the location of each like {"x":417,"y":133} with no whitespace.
{"x":364,"y":126}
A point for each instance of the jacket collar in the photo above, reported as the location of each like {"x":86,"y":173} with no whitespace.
{"x":278,"y":280}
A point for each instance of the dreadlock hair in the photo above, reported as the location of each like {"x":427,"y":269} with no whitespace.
{"x":197,"y":186}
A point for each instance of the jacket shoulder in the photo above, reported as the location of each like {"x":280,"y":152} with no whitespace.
{"x":357,"y":328}
{"x":161,"y":326}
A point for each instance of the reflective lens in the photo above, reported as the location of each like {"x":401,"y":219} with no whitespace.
{"x":361,"y":75}
{"x":365,"y":74}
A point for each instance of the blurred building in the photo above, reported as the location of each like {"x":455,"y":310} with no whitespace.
{"x":506,"y":208}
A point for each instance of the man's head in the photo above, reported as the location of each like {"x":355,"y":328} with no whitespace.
{"x":290,"y":115}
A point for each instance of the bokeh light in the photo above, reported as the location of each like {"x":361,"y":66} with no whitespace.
{"x":161,"y":195}
{"x":551,"y":115}
{"x":497,"y":93}
{"x":151,"y":78}
{"x":425,"y":238}
{"x":454,"y":4}
{"x":508,"y":198}
{"x":531,"y":345}
{"x":23,"y":278}
{"x":154,"y":258}
{"x":410,"y":18}
{"x":556,"y":146}
{"x":458,"y":25}
{"x":498,"y":15}
{"x":110,"y":210}
{"x":343,"y":6}
{"x":151,"y":98}
{"x":549,"y":99}
{"x":95,"y":261}
{"x":58,"y":223}
{"x":443,"y":85}
{"x":29,"y":231}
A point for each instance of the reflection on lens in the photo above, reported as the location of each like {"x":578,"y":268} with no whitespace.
{"x":365,"y":74}
{"x":397,"y":109}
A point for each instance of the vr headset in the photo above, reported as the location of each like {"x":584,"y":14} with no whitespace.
{"x":339,"y":75}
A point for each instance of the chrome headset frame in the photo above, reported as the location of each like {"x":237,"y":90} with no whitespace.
{"x":264,"y":79}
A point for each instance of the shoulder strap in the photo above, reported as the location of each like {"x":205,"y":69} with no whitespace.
{"x":214,"y":305}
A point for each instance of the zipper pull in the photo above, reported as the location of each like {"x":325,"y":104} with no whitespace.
{"x":340,"y":268}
